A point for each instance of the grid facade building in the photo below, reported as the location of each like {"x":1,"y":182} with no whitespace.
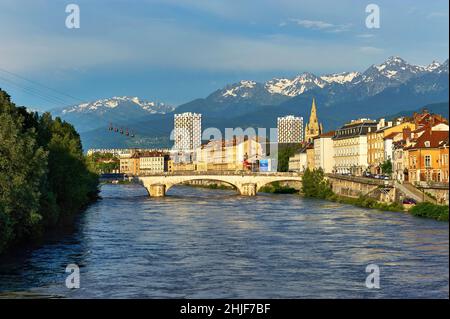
{"x":187,"y":131}
{"x":290,"y":129}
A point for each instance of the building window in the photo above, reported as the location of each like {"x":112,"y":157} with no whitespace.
{"x":427,"y":160}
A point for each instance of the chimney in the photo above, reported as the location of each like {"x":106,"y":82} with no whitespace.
{"x":406,"y":133}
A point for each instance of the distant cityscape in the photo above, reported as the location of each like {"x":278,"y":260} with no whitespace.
{"x":410,"y":148}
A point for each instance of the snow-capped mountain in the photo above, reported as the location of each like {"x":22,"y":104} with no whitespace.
{"x":117,"y":110}
{"x":443,"y":68}
{"x":296,"y":86}
{"x":432,"y":66}
{"x":393,"y":72}
{"x":104,"y":105}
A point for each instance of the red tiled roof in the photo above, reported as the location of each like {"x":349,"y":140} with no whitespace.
{"x":433,"y":137}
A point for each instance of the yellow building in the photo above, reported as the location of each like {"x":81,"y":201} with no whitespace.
{"x":425,"y":157}
{"x":375,"y":142}
{"x":443,"y":148}
{"x":129,"y":164}
{"x":229,"y":155}
{"x":183,"y":167}
{"x":310,"y":156}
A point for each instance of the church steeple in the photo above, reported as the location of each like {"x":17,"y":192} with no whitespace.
{"x":313,"y":116}
{"x":313,"y":127}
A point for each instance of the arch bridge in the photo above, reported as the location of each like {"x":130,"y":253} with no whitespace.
{"x":247,"y":184}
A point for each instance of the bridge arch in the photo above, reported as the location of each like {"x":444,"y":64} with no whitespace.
{"x":246,"y":184}
{"x":211,"y":179}
{"x":280,"y":180}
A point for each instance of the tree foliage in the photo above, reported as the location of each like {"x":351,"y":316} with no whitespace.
{"x":315,"y":185}
{"x":386,"y":167}
{"x":103,"y":162}
{"x":43,"y":173}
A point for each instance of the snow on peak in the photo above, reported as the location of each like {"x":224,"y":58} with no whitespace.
{"x":341,"y":78}
{"x":296,"y":86}
{"x":233,"y":91}
{"x":432,"y":66}
{"x":393,"y":70}
{"x":102,"y":105}
{"x":395,"y":60}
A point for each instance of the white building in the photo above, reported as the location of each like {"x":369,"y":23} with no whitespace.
{"x":290,"y":129}
{"x":153,"y":162}
{"x":350,"y":147}
{"x":323,"y":152}
{"x":298,"y":163}
{"x":187,"y":132}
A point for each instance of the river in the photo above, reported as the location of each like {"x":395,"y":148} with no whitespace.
{"x":201,"y":243}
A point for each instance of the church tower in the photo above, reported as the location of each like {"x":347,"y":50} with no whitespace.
{"x":313,"y":127}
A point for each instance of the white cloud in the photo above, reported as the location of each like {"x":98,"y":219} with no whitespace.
{"x":365,"y":36}
{"x":321,"y":25}
{"x":440,"y":14}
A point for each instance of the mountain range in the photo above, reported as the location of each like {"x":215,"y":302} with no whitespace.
{"x":382,"y":90}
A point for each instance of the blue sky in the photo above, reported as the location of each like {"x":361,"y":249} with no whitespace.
{"x":174,"y":51}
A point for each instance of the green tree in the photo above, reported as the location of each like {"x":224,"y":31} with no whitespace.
{"x":22,"y":170}
{"x":44,"y":176}
{"x":386,"y":167}
{"x":315,"y":185}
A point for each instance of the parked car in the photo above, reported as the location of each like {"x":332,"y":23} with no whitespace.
{"x":368,"y":175}
{"x":409,"y":201}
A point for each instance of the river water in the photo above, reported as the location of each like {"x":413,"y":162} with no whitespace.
{"x":200,"y":243}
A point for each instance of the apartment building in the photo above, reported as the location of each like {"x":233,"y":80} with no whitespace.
{"x":323,"y":152}
{"x":290,"y":129}
{"x":187,"y":134}
{"x":350,"y":146}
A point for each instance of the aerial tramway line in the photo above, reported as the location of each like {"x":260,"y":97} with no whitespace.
{"x":116,"y":129}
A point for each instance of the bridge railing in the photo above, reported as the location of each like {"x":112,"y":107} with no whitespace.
{"x":223,"y":173}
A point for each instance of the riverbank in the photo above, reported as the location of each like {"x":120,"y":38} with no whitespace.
{"x":315,"y":185}
{"x":423,"y":210}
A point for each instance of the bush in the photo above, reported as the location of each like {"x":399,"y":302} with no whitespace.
{"x":429,"y":210}
{"x":315,"y":185}
{"x":367,"y":202}
{"x":276,"y":188}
